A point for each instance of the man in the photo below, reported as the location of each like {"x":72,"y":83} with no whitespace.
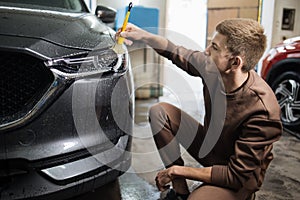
{"x":235,"y":166}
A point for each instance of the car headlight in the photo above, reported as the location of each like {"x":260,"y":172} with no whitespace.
{"x":89,"y":64}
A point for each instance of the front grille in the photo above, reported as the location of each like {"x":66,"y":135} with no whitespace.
{"x":23,"y":81}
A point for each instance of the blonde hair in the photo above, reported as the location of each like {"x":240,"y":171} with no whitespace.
{"x":245,"y":38}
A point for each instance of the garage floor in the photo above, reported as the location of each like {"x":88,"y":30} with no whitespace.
{"x":282,"y":180}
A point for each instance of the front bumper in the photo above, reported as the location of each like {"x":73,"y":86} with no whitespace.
{"x":52,"y":157}
{"x":37,"y":185}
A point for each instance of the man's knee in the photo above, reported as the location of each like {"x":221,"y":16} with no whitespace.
{"x":157,"y":111}
{"x":153,"y":111}
{"x":157,"y":117}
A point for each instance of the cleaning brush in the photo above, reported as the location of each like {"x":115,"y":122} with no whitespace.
{"x":118,"y":47}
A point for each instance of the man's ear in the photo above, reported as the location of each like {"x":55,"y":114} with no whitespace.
{"x":236,"y":62}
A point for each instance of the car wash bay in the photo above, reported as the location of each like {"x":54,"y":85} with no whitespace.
{"x":282,"y":179}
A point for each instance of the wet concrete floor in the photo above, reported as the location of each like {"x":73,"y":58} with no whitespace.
{"x":282,"y":180}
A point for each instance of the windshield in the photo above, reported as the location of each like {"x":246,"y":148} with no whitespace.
{"x":56,"y":5}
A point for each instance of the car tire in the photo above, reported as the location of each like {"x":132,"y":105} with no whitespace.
{"x":286,"y":87}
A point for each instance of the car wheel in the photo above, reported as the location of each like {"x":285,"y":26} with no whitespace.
{"x":287,"y":90}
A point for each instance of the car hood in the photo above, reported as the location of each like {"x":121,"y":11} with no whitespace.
{"x":37,"y":30}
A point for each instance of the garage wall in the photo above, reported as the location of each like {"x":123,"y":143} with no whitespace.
{"x":186,"y":22}
{"x":117,"y":4}
{"x":285,"y":27}
{"x":188,"y":18}
{"x":220,"y":9}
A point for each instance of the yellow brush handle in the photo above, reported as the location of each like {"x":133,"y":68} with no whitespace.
{"x":121,"y":39}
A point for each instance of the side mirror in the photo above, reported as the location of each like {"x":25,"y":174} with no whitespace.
{"x":106,"y":14}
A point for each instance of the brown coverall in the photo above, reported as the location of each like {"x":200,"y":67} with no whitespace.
{"x":242,"y":151}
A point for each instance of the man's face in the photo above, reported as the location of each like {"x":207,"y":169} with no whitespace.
{"x":219,"y":53}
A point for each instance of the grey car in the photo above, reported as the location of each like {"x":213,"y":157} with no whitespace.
{"x":66,"y":101}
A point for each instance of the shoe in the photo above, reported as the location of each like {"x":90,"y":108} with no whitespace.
{"x":170,"y":194}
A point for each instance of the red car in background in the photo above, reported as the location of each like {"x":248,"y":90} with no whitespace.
{"x":281,"y":70}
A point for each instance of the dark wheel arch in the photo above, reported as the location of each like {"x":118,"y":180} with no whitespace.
{"x":280,"y":67}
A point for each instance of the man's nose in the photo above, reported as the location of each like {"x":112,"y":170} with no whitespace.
{"x":207,"y":50}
